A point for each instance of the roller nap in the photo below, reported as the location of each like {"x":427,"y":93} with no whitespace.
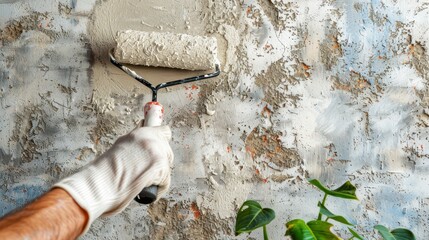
{"x":166,"y":50}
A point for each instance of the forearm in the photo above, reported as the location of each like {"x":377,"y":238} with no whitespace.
{"x":55,"y":215}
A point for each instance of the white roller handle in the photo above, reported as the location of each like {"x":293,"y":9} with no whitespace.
{"x":153,"y":116}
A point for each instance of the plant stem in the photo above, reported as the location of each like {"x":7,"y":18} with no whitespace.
{"x":265,"y":232}
{"x":323,"y":203}
{"x":324,"y":199}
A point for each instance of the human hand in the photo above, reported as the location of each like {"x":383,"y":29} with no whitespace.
{"x":107,"y":185}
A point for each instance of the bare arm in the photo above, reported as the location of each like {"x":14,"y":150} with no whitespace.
{"x":55,"y":215}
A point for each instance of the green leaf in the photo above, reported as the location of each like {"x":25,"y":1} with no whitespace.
{"x":252,"y":216}
{"x":322,"y":230}
{"x":385,"y":233}
{"x":329,"y":214}
{"x":355,"y":234}
{"x":347,"y":190}
{"x":297,"y":229}
{"x":395,"y":234}
{"x":403,"y":234}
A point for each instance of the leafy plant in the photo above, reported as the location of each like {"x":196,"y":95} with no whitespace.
{"x":320,"y":229}
{"x":252,"y":216}
{"x":395,"y":234}
{"x":313,"y":230}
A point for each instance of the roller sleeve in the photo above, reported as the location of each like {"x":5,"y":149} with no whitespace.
{"x":166,"y":49}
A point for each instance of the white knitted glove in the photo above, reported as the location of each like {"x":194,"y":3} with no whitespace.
{"x":136,"y":160}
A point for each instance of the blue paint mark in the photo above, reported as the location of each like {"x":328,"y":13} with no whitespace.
{"x":368,"y":39}
{"x":74,"y":21}
{"x":73,"y":4}
{"x":18,"y":196}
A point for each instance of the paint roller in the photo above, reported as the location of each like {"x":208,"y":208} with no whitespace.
{"x":169,"y":50}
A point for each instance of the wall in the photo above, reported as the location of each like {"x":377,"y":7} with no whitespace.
{"x":334,"y":90}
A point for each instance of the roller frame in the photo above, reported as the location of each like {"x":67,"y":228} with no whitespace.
{"x":161,"y":85}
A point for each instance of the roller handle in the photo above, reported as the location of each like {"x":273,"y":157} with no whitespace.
{"x":154,"y":113}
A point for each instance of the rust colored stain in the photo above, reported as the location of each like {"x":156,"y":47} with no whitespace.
{"x":259,"y":176}
{"x":248,"y":10}
{"x":266,"y":112}
{"x":257,"y":172}
{"x":267,"y":143}
{"x":356,"y":84}
{"x":251,"y":151}
{"x":412,"y":49}
{"x":305,"y":66}
{"x":268,"y":47}
{"x":418,"y":59}
{"x":228,"y":149}
{"x":337,"y":84}
{"x":190,"y":95}
{"x":303,"y":70}
{"x":335,"y":43}
{"x":193,"y":87}
{"x":361,"y":82}
{"x":195,"y":210}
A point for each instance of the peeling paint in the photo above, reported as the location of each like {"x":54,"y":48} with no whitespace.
{"x":275,"y":82}
{"x":267,"y":143}
{"x":330,"y":49}
{"x":34,"y":21}
{"x":28,"y":124}
{"x":173,"y":221}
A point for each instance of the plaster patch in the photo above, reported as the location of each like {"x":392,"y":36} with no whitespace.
{"x":275,"y":83}
{"x":267,"y":143}
{"x":278,"y":12}
{"x":330,"y":48}
{"x":223,"y":199}
{"x":363,"y":91}
{"x":233,"y":39}
{"x":420,"y":59}
{"x":217,"y":13}
{"x":64,"y":9}
{"x":105,"y":128}
{"x":35,"y":21}
{"x":28,"y":124}
{"x":178,"y":221}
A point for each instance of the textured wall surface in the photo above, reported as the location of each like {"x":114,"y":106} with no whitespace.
{"x":334,"y":90}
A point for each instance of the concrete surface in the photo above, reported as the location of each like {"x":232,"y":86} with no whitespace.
{"x":334,"y":90}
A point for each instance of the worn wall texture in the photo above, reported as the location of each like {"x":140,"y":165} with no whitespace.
{"x":333,"y":90}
